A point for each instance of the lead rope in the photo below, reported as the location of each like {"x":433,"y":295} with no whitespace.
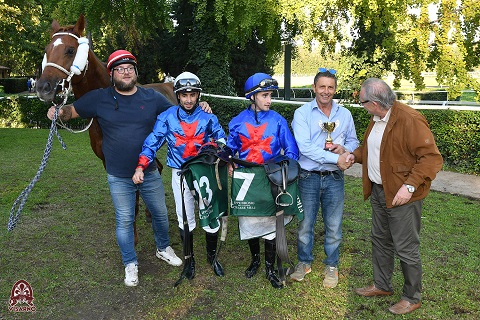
{"x":22,"y":198}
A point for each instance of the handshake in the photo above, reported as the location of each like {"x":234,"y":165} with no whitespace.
{"x":346,"y":159}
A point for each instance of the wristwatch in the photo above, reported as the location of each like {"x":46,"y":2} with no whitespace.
{"x":410,"y":188}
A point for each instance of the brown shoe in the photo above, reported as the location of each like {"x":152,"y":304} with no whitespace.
{"x":372,"y":291}
{"x":404,"y":307}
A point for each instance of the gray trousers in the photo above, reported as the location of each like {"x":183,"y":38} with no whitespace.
{"x":396,"y":230}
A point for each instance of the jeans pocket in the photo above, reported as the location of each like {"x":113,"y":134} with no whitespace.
{"x":304,"y":174}
{"x":338,"y":175}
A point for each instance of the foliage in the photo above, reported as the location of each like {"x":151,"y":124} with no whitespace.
{"x":380,"y":36}
{"x":10,"y":114}
{"x":226,"y":109}
{"x":306,"y":61}
{"x":33,"y":112}
{"x":457,"y":133}
{"x":432,"y":96}
{"x":135,"y":20}
{"x":457,"y":137}
{"x":247,"y":61}
{"x":397,"y":36}
{"x":14,"y":85}
{"x":21,"y":19}
{"x":359,"y":38}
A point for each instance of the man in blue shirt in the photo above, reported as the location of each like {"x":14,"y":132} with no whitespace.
{"x":126,"y":114}
{"x":321,"y":180}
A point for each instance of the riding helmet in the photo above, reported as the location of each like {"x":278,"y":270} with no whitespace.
{"x":187,"y":82}
{"x":259,"y":82}
{"x":120,"y":57}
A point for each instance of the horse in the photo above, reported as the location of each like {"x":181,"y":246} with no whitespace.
{"x":94,"y":75}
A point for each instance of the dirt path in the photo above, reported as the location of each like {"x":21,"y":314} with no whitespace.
{"x":448,"y":182}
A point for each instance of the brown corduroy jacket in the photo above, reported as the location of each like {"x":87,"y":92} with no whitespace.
{"x":408,"y":154}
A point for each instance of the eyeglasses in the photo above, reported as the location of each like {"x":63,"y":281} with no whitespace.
{"x":363,"y":102}
{"x":331,"y":71}
{"x":121,"y":70}
{"x":265,"y":83}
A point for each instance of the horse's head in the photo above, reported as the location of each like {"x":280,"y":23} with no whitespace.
{"x":61,"y":54}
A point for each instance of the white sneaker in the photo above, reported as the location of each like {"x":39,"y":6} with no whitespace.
{"x":131,"y":275}
{"x":169,"y":256}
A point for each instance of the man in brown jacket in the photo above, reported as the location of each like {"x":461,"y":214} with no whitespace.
{"x":399,"y":160}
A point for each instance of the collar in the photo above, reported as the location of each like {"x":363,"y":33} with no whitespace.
{"x":384,"y":119}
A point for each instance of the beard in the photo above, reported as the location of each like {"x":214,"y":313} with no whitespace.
{"x":122,"y":86}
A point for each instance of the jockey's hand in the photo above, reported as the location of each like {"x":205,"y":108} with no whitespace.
{"x":138,"y":176}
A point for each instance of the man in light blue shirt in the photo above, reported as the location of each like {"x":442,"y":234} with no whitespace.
{"x":325,"y":135}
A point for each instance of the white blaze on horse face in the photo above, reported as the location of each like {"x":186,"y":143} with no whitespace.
{"x":57,"y":42}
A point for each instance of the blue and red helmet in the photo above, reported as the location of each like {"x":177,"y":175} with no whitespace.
{"x":259,"y":82}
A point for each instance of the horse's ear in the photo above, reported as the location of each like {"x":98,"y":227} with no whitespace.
{"x":55,"y":26}
{"x":79,"y":26}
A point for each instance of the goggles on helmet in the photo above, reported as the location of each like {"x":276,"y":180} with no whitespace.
{"x":264,"y":85}
{"x":187,"y":85}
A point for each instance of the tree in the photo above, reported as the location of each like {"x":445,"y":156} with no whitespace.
{"x":209,"y":36}
{"x":396,"y":36}
{"x":208,"y":41}
{"x":21,"y":23}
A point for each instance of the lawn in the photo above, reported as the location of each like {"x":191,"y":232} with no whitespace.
{"x":64,"y":246}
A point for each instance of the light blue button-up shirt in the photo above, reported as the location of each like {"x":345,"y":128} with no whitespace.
{"x":311,"y":137}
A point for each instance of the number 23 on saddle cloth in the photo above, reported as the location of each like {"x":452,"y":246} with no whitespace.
{"x":251,"y":192}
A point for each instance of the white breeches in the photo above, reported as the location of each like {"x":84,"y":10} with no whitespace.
{"x":189,"y":203}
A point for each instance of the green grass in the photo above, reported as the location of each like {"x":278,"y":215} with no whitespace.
{"x":64,"y":246}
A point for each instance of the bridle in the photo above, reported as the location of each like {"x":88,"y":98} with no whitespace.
{"x":80,"y":62}
{"x":79,"y":65}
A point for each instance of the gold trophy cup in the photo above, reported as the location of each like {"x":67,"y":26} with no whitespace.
{"x":328,"y":127}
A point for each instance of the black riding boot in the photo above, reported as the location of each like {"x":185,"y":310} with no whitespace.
{"x":270,"y":255}
{"x":254,"y":245}
{"x":189,"y":267}
{"x":212,"y":239}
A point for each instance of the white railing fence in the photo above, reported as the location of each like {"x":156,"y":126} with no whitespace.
{"x":416,"y":104}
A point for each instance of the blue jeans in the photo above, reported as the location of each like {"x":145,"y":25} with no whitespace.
{"x":152,"y":192}
{"x":327,"y":191}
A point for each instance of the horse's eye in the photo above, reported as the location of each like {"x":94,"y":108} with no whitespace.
{"x":70,"y":51}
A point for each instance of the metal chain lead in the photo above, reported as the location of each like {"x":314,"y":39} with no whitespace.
{"x":22,"y":198}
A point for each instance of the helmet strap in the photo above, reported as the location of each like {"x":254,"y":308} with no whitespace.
{"x":255,"y":113}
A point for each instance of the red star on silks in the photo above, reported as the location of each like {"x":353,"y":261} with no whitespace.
{"x":189,"y":139}
{"x":255,"y":143}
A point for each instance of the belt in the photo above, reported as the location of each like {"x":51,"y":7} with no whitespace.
{"x":323,"y":173}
